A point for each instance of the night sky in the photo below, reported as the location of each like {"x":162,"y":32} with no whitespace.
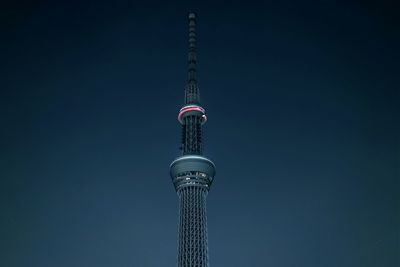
{"x":303,"y":106}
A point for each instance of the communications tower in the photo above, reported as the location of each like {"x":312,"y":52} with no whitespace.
{"x":192,"y":173}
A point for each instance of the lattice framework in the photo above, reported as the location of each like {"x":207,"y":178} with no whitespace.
{"x":192,"y":237}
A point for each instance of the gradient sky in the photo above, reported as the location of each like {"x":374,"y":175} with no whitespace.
{"x":303,"y":107}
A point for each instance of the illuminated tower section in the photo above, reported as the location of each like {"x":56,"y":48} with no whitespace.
{"x":192,"y":173}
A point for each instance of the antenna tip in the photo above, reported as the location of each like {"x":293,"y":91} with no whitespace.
{"x":192,"y":15}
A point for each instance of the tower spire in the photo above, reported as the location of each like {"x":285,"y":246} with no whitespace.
{"x":192,"y":94}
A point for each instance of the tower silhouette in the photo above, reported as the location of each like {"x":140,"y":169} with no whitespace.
{"x":192,"y":173}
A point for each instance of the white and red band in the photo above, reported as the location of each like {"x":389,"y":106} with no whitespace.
{"x":192,"y":110}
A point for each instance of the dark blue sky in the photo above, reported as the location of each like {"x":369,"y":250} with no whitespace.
{"x":303,"y":105}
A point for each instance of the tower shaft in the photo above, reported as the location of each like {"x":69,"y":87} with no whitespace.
{"x":192,"y":173}
{"x":192,"y":237}
{"x":192,"y":136}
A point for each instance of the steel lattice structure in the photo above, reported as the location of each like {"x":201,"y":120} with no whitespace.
{"x":192,"y":173}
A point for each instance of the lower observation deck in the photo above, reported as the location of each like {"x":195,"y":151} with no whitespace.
{"x":192,"y":170}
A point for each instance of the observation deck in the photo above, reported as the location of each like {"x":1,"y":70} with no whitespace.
{"x":192,"y":170}
{"x":190,"y":110}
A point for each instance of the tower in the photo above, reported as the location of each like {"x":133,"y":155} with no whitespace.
{"x":192,"y":173}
